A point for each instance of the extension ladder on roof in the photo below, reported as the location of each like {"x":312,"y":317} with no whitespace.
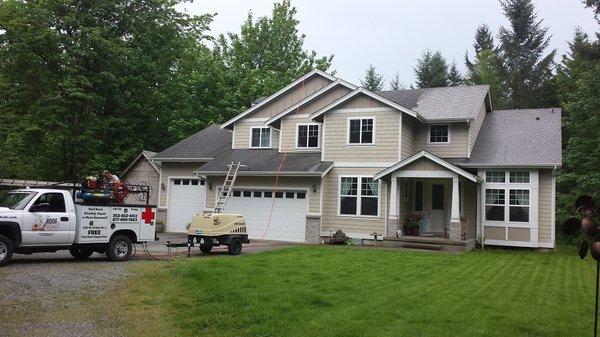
{"x":227,"y":186}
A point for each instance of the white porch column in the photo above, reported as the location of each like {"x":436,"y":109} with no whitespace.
{"x":394,"y":197}
{"x":454,"y":227}
{"x":392,"y":223}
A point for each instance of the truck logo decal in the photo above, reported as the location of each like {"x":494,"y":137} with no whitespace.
{"x":43,"y":223}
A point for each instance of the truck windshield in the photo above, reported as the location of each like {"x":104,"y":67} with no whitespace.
{"x":16,"y":200}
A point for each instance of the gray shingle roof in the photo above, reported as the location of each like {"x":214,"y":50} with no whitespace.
{"x":207,"y":143}
{"x":528,"y":137}
{"x":461,"y":102}
{"x":267,"y":161}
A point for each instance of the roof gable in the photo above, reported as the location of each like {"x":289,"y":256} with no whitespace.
{"x":363,"y":91}
{"x":263,"y":103}
{"x":417,"y":158}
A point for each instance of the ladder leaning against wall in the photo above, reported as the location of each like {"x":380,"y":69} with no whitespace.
{"x":227,"y":186}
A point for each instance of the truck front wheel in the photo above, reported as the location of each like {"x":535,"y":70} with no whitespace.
{"x":80,"y":253}
{"x":6,"y":250}
{"x":119,"y":248}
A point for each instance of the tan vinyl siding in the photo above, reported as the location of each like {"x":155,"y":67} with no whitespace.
{"x":292,"y":96}
{"x":175,"y":170}
{"x":475,"y":127}
{"x":407,"y":147}
{"x":459,"y":134}
{"x":288,"y":123}
{"x":545,"y":206}
{"x":469,"y":211}
{"x":386,"y":135}
{"x":268,"y":183}
{"x":331,"y":222}
{"x":241,"y":134}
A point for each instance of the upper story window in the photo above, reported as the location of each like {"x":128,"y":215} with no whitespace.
{"x":439,"y":134}
{"x":307,"y":136}
{"x":361,"y":130}
{"x":260,"y":137}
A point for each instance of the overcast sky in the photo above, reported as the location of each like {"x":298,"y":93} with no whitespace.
{"x":392,"y":34}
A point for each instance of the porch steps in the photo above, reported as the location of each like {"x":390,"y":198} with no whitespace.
{"x":428,"y":243}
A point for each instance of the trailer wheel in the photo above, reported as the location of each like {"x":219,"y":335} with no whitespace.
{"x":235,"y":247}
{"x":80,"y":253}
{"x":206,"y":248}
{"x":119,"y":248}
{"x":6,"y":250}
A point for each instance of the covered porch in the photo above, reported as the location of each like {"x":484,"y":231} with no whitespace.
{"x":431,"y":203}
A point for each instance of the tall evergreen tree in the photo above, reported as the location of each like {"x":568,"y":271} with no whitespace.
{"x":528,"y":72}
{"x":431,"y":70}
{"x":579,"y":94}
{"x":483,"y":39}
{"x":265,"y":56}
{"x":372,"y":81}
{"x":395,"y":83}
{"x":454,"y":76}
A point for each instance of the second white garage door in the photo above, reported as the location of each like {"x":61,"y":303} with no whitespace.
{"x":288,"y":222}
{"x":186,"y":197}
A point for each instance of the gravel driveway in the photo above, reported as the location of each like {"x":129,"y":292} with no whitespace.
{"x":44,"y":294}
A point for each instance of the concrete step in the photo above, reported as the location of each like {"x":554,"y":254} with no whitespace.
{"x":421,"y":246}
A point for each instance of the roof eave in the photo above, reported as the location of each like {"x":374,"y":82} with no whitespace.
{"x":425,"y":154}
{"x":261,"y":173}
{"x":476,"y":165}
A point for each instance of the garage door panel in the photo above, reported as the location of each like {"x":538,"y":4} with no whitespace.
{"x":288,"y":222}
{"x":187,"y":196}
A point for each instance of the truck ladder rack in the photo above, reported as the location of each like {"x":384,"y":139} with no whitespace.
{"x":227,"y":186}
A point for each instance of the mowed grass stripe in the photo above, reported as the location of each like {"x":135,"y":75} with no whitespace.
{"x":349,"y":291}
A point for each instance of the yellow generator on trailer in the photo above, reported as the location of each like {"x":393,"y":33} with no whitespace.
{"x":212,"y":229}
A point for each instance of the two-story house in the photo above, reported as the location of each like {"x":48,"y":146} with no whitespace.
{"x":322,"y":154}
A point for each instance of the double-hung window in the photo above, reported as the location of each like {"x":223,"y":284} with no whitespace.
{"x":519,"y":205}
{"x":359,"y":196}
{"x":307,"y":136}
{"x":439,"y":134}
{"x":361,"y":130}
{"x":260,"y":137}
{"x":495,"y":203}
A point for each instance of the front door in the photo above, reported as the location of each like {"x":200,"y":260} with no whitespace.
{"x":437,"y":205}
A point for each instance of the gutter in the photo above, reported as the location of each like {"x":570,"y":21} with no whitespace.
{"x":260,"y":173}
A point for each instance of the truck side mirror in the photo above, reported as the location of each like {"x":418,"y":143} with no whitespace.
{"x":42,"y":207}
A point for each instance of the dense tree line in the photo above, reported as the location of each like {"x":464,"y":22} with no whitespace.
{"x":86,"y":85}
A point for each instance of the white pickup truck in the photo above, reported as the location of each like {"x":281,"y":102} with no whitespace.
{"x":48,"y":220}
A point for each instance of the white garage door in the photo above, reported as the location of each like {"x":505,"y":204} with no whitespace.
{"x":288,"y":222}
{"x":187,"y":196}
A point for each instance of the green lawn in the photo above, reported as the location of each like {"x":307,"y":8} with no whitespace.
{"x":349,"y":291}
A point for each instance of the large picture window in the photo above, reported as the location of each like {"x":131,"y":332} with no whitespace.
{"x":360,"y":130}
{"x":439,"y":133}
{"x":519,"y":205}
{"x":495,"y":201}
{"x":260,"y":137}
{"x":359,"y":196}
{"x":308,"y":136}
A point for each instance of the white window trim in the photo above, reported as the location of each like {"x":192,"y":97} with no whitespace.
{"x":429,"y":142}
{"x":358,"y":197}
{"x":348,"y":131}
{"x":298,"y":135}
{"x":532,"y":225}
{"x":260,"y":137}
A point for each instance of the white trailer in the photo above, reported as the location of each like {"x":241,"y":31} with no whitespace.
{"x":48,"y":220}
